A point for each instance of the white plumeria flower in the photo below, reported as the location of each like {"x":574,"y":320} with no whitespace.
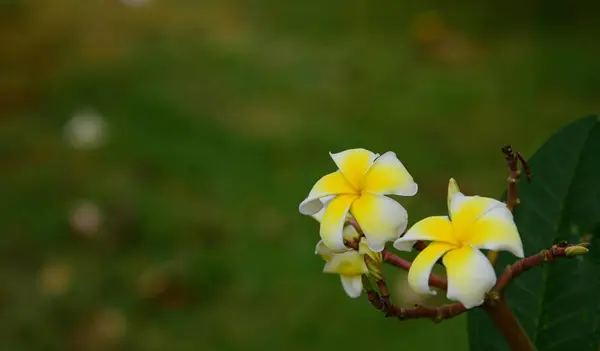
{"x":475,"y":223}
{"x":359,"y":187}
{"x":350,"y":265}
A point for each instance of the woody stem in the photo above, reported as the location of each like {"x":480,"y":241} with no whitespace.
{"x":508,"y":325}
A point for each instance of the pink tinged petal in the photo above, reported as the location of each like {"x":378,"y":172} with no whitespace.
{"x":388,"y":176}
{"x":436,"y":228}
{"x":496,"y":230}
{"x":331,"y":184}
{"x":418,"y":275}
{"x":352,"y":285}
{"x":332,"y":223}
{"x":470,"y":276}
{"x":354,"y":164}
{"x":381,"y":219}
{"x":465,"y":210}
{"x":349,"y":263}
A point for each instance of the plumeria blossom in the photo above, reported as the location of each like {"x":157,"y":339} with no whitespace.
{"x":358,"y":188}
{"x":475,"y":223}
{"x":350,"y":265}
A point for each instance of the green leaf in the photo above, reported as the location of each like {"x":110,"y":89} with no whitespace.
{"x":557,"y":305}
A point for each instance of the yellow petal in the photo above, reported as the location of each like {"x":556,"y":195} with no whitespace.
{"x":470,"y":276}
{"x":436,"y":228}
{"x":381,"y":219}
{"x":352,"y":285}
{"x":331,"y":184}
{"x":354,"y":164}
{"x":325,"y":201}
{"x":332,"y":223}
{"x":349,"y":263}
{"x":388,"y":176}
{"x":453,"y":189}
{"x":418,"y":275}
{"x":464,"y":210}
{"x":496,"y":230}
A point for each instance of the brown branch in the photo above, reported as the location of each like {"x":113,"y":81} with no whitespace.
{"x":496,"y":305}
{"x":512,"y":196}
{"x":556,"y":251}
{"x":506,"y":323}
{"x":437,"y":314}
{"x":395,"y":260}
{"x":525,"y":166}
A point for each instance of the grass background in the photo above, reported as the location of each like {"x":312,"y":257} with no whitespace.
{"x":220,"y":115}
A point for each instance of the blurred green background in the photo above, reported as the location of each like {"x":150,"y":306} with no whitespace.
{"x":154,"y":154}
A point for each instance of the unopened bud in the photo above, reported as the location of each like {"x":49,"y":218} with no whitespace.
{"x":453,"y":189}
{"x":363,"y":249}
{"x":372,"y":259}
{"x":576,"y":250}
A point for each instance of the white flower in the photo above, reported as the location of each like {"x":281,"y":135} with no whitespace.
{"x":475,"y":223}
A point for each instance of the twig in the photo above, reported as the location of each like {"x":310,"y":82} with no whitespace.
{"x":437,"y":314}
{"x":556,"y":251}
{"x":512,"y":196}
{"x":495,"y":303}
{"x":395,"y":260}
{"x":385,"y":296}
{"x":525,"y":166}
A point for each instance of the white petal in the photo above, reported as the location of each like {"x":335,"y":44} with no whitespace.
{"x":352,"y":285}
{"x":453,"y":189}
{"x":325,"y":201}
{"x":418,"y":275}
{"x":350,"y":233}
{"x":470,"y":276}
{"x":322,"y":250}
{"x":404,"y":245}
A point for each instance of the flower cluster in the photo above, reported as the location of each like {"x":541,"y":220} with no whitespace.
{"x":359,"y":190}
